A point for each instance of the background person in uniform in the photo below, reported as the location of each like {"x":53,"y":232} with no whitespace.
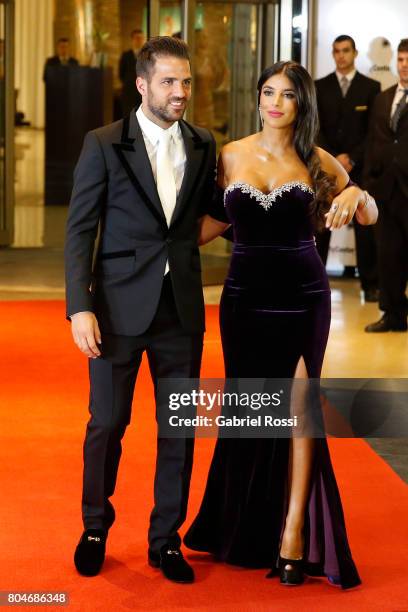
{"x":146,"y":179}
{"x":127,"y":73}
{"x":386,"y":175}
{"x":62,"y":56}
{"x":345,"y":98}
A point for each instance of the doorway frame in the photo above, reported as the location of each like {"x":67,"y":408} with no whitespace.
{"x":7,"y":207}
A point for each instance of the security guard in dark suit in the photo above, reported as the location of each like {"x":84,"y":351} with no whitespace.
{"x":345,"y":99}
{"x":130,"y":97}
{"x":386,"y":175}
{"x":61,"y":58}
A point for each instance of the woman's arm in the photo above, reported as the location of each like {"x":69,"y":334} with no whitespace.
{"x":348,"y":201}
{"x":209,"y":226}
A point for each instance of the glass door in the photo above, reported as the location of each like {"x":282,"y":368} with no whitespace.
{"x":300,"y":20}
{"x":230,"y":43}
{"x":7,"y":109}
{"x":226,"y":44}
{"x":166,"y":18}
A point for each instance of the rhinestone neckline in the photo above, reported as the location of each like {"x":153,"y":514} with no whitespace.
{"x":267,"y":199}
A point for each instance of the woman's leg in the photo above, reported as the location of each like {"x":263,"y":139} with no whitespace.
{"x":300,"y":466}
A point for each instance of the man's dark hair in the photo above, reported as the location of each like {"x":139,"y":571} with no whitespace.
{"x":63,"y":39}
{"x":345,"y":38}
{"x":403,"y":46}
{"x":136,"y":31}
{"x":159,"y":46}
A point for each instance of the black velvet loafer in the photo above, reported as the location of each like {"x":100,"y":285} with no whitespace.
{"x":172,"y":564}
{"x":90,"y":552}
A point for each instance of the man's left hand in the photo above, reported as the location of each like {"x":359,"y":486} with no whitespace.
{"x":345,"y":161}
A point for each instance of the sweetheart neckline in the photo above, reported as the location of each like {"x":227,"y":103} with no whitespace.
{"x":281,"y":188}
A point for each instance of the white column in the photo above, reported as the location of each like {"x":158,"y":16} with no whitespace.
{"x":33,"y":44}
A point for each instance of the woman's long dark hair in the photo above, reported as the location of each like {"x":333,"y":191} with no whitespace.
{"x":305,"y":132}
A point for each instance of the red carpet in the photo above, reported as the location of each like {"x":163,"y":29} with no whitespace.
{"x":43,"y":403}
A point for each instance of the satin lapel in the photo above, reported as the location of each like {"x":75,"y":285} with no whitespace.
{"x":133,"y":156}
{"x":196,"y":151}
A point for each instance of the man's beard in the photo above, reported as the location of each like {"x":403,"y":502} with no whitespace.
{"x":164,"y":113}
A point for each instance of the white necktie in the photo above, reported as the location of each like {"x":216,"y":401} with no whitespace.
{"x":166,"y":184}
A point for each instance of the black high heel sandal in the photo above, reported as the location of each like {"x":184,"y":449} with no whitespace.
{"x":293,"y":576}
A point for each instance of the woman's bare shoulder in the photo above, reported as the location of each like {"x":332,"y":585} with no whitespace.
{"x":236,"y":148}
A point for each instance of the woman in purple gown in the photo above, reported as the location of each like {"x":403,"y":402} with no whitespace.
{"x":275,"y":502}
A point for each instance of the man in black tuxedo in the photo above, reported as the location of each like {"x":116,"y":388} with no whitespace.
{"x":144,"y":181}
{"x":127,"y":73}
{"x":386,"y":174}
{"x":345,"y":98}
{"x":61,"y":58}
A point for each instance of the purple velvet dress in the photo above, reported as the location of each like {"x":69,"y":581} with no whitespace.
{"x":275,"y":309}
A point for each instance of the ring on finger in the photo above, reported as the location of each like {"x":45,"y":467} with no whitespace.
{"x":344,"y":213}
{"x":334,"y":206}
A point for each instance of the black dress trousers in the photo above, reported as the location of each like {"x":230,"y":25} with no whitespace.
{"x":171,"y":354}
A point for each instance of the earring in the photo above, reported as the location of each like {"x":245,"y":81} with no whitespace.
{"x":260,"y":116}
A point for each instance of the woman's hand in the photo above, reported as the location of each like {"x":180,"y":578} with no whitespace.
{"x":351,"y":201}
{"x":367,"y":211}
{"x":343,"y":207}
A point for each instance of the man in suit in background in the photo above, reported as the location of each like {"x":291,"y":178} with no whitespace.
{"x":144,"y":181}
{"x":345,"y":98}
{"x":61,"y":58}
{"x":127,"y":73}
{"x":386,"y":175}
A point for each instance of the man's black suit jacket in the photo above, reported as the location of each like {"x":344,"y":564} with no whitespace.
{"x":386,"y":165}
{"x":344,"y":121}
{"x":114,"y":189}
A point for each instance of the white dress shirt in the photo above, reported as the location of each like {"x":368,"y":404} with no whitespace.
{"x":151,"y":136}
{"x":398,"y":95}
{"x":349,"y":76}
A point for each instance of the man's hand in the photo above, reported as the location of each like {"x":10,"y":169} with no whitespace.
{"x":345,"y":161}
{"x":86,"y":334}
